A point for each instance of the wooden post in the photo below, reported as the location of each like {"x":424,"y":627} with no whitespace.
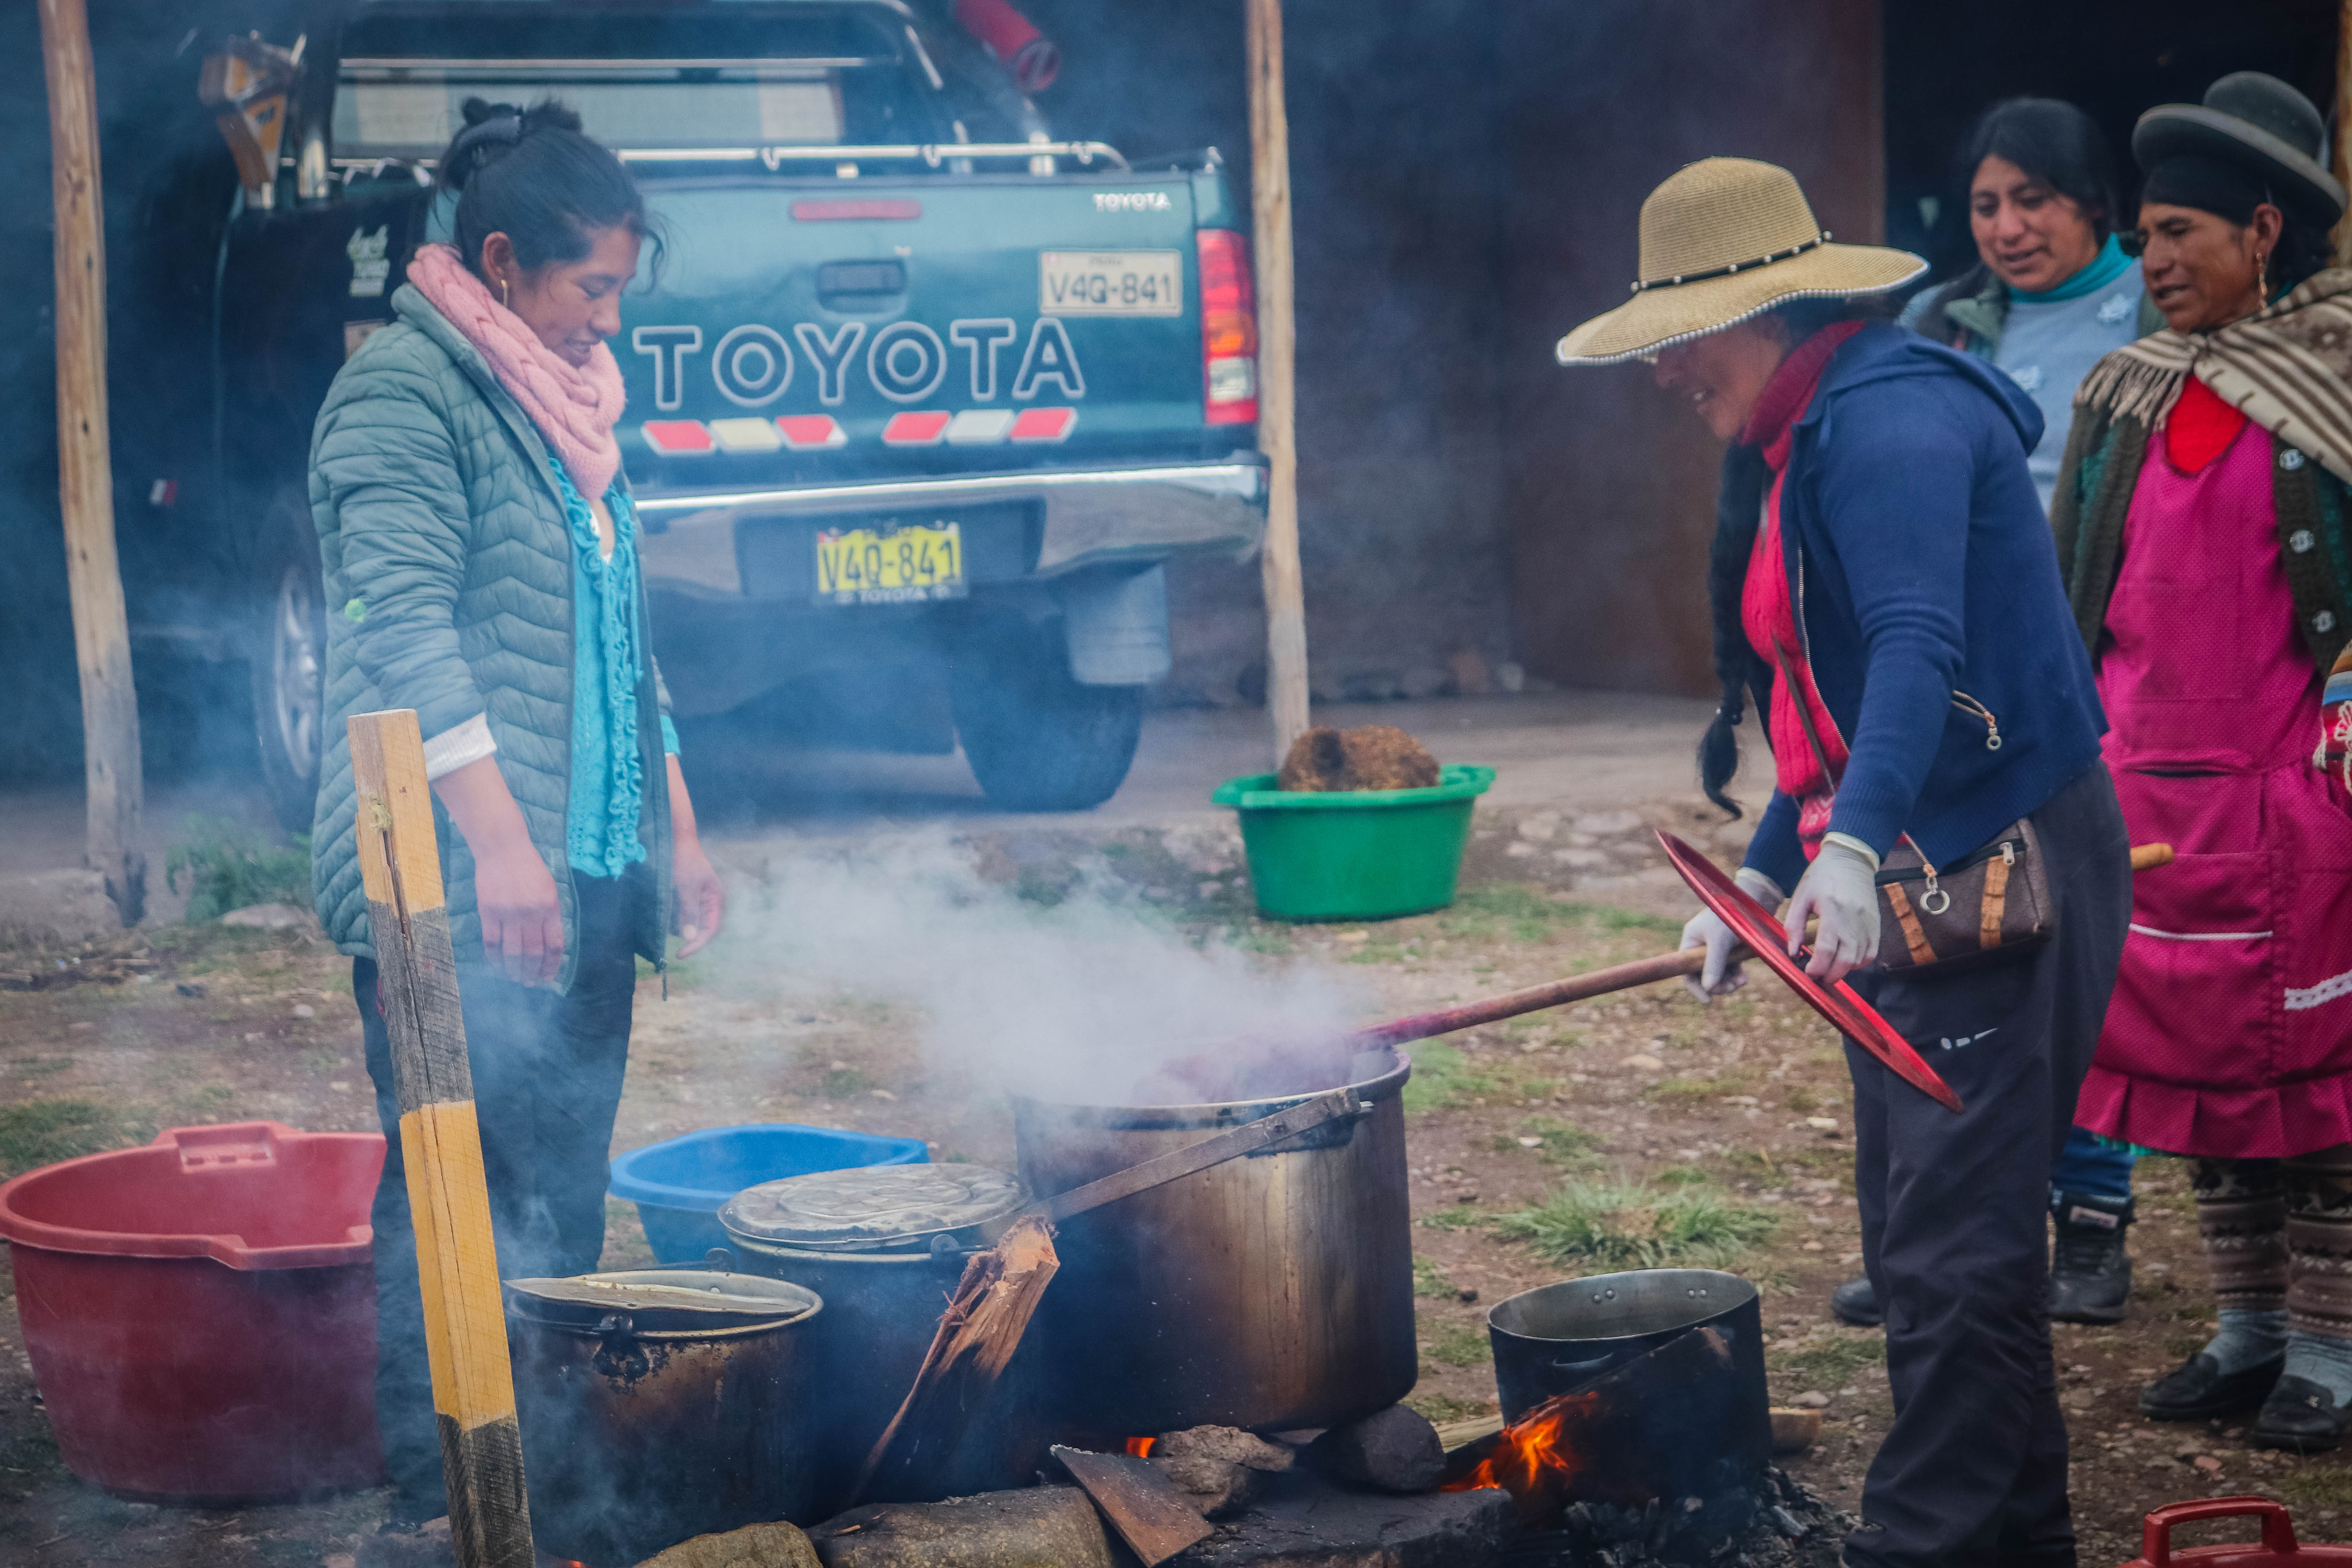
{"x":2342,"y":129}
{"x":440,"y":1145}
{"x":110,"y":706}
{"x":1286,"y":595}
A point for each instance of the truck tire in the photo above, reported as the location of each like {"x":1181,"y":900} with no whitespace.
{"x":287,"y":662}
{"x":1036,"y":737}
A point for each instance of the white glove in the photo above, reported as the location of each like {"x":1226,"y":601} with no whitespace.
{"x":1707,"y":930}
{"x":1839,"y":888}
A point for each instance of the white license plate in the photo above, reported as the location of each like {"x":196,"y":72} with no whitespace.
{"x":1110,"y":282}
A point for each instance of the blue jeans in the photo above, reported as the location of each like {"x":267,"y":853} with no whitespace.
{"x":547,"y":1074}
{"x":2089,"y":1168}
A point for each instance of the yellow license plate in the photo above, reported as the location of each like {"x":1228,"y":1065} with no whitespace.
{"x":890,"y":565}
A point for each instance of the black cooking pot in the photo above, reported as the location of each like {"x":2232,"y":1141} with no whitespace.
{"x":884,"y":1246}
{"x":660,"y":1404}
{"x":1697,"y":1427}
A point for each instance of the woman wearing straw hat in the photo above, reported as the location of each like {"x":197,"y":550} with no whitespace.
{"x":1882,"y":580}
{"x":2202,"y":515}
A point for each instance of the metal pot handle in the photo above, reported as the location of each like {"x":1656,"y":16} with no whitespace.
{"x":1581,"y":1368}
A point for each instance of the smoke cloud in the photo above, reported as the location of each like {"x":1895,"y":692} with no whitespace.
{"x":1094,"y":999}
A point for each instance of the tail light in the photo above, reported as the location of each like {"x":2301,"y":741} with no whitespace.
{"x":1228,"y":328}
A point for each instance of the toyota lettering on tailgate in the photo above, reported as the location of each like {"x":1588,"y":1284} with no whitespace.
{"x":755,"y":364}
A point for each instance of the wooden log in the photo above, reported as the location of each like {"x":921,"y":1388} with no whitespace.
{"x":977,"y":1335}
{"x":1150,"y":1514}
{"x":448,"y":1200}
{"x":1286,"y":597}
{"x":109,"y":704}
{"x":1393,"y":1450}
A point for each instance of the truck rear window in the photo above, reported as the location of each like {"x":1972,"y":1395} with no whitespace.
{"x":752,"y":76}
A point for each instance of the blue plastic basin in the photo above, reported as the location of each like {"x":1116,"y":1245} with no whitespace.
{"x":678,"y":1185}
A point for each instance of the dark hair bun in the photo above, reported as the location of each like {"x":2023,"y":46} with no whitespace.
{"x":535,"y":175}
{"x":492,"y":130}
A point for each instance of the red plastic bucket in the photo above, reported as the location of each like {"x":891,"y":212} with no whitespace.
{"x":2278,"y":1546}
{"x":200,"y":1313}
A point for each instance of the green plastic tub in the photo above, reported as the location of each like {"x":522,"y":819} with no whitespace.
{"x":1366,"y":855}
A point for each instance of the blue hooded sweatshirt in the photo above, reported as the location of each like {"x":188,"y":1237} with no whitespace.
{"x":1922,"y":566}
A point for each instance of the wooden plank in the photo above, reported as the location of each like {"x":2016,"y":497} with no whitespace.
{"x":1285,"y":588}
{"x":1144,"y":1505}
{"x":977,"y":1335}
{"x":2343,"y":121}
{"x":448,"y":1200}
{"x":109,"y":704}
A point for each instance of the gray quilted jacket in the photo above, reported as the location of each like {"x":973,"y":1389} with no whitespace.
{"x":450,"y":577}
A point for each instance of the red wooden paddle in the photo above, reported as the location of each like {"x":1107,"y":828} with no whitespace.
{"x":1769,"y":940}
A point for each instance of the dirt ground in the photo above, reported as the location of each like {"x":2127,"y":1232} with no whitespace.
{"x":1635,"y":1129}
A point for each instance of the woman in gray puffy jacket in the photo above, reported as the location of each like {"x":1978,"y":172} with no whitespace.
{"x":477,"y":537}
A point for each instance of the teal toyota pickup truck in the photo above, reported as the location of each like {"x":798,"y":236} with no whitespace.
{"x":922,"y":399}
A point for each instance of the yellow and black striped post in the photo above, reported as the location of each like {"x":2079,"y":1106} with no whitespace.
{"x":457,"y":1261}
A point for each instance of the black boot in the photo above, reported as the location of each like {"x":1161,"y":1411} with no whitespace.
{"x":2090,"y":1273}
{"x":1856,"y":1303}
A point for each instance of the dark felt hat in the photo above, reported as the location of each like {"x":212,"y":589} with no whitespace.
{"x":2257,"y":122}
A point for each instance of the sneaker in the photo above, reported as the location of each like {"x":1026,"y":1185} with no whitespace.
{"x":2090,"y":1272}
{"x":1856,"y":1303}
{"x":2301,"y":1415}
{"x":2199,"y":1389}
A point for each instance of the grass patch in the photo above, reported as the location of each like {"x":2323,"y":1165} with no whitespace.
{"x":1628,"y":1224}
{"x":1801,"y":1099}
{"x":1830,"y":1361}
{"x":1457,"y":1216}
{"x":1446,"y":1078}
{"x":1808,"y":1159}
{"x":41,"y":1067}
{"x":845,"y":1083}
{"x":2312,"y":1487}
{"x":1685,"y":1090}
{"x":1684,"y":1176}
{"x":227,"y":867}
{"x":1524,"y":912}
{"x":1459,"y":1345}
{"x":1441,"y":1409}
{"x":1562,"y":1144}
{"x":27,"y":1462}
{"x":1429,"y":1280}
{"x":43,"y":1131}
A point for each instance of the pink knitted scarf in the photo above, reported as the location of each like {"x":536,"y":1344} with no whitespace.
{"x":575,"y":408}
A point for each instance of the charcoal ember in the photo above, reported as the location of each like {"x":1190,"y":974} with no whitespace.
{"x":1394,"y":1450}
{"x":1220,"y":1470}
{"x":1742,"y":1527}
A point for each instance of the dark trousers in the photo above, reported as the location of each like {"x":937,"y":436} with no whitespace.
{"x":547,"y":1084}
{"x":1953,"y":1214}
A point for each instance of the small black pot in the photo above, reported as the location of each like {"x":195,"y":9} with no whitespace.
{"x":1694,"y":1433}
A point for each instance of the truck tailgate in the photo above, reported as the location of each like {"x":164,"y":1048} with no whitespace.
{"x":807,"y":331}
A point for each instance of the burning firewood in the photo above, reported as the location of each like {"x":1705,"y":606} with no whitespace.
{"x":977,"y":1335}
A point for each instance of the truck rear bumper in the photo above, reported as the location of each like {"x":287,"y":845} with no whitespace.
{"x":1092,"y":516}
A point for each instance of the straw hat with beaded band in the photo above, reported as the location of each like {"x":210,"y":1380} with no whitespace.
{"x":1722,"y":240}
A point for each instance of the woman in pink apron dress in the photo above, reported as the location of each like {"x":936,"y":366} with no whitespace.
{"x":2203,"y":512}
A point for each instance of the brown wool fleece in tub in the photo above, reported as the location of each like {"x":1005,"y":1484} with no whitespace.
{"x":1371,"y":756}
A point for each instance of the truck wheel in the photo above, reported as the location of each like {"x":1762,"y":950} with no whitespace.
{"x":1036,"y":737}
{"x":287,"y":662}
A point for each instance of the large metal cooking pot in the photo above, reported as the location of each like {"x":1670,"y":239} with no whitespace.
{"x":885,"y":1245}
{"x":1696,"y":1429}
{"x":1272,"y":1291}
{"x":660,"y":1404}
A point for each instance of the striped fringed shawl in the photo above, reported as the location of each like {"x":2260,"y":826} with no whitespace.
{"x":2287,"y":367}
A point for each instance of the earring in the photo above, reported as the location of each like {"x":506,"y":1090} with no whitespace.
{"x":2262,"y":270}
{"x":505,"y":291}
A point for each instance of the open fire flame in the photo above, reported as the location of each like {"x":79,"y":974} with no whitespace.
{"x":1142,"y":1446}
{"x":1534,"y":1460}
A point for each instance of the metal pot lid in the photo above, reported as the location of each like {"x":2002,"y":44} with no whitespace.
{"x":871,"y":1207}
{"x":664,"y":1298}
